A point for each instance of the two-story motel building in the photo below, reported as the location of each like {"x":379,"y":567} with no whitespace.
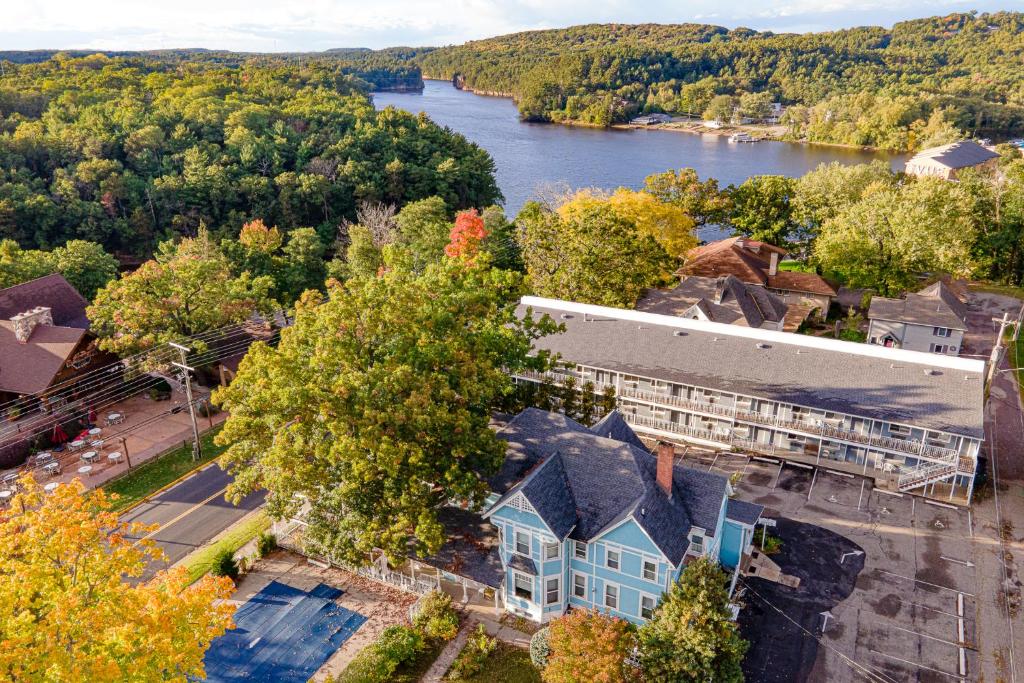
{"x":912,"y":421}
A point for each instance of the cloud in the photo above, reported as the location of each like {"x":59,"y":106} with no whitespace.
{"x":312,"y":25}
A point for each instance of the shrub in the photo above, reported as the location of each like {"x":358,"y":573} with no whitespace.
{"x":378,"y":662}
{"x":587,"y":645}
{"x":471,"y":660}
{"x":540,"y":648}
{"x":437,"y":617}
{"x":207,"y":409}
{"x":266,"y":543}
{"x":224,"y":564}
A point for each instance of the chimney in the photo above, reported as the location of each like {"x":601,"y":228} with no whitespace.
{"x":25,"y":323}
{"x":666,"y":461}
{"x":719,"y":290}
{"x":773,"y":264}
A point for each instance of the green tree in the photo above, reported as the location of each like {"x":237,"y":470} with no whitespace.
{"x":692,"y":636}
{"x":186,"y":289}
{"x":822,"y":193}
{"x":85,"y":265}
{"x":756,"y":105}
{"x":719,"y":109}
{"x":19,"y":265}
{"x":762,"y":210}
{"x":702,"y":200}
{"x":424,"y":228}
{"x":501,"y":241}
{"x":591,"y":255}
{"x":374,"y":407}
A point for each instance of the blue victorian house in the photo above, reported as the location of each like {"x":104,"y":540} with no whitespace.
{"x":589,"y":517}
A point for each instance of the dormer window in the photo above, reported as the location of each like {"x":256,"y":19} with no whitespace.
{"x":697,"y":542}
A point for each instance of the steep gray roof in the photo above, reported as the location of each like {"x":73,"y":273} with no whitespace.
{"x":743,"y":512}
{"x":724,"y":300}
{"x":839,"y":376}
{"x":956,"y":155}
{"x":607,"y":481}
{"x":934,"y":306}
{"x":614,"y":426}
{"x":522,"y":563}
{"x":53,"y":291}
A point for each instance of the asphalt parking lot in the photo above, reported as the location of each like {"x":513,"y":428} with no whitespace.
{"x":911,"y":615}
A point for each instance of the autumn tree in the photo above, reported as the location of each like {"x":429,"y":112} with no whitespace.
{"x":187,"y":288}
{"x":374,"y":406}
{"x":294,"y":262}
{"x":692,"y":636}
{"x":666,"y":222}
{"x":589,"y":646}
{"x":701,"y":200}
{"x":467,"y":235}
{"x":590,"y":255}
{"x":71,"y":609}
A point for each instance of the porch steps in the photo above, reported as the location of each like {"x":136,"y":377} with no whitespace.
{"x":929,"y":474}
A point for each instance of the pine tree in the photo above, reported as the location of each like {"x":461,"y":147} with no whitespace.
{"x":570,"y":397}
{"x":608,"y":403}
{"x":588,"y":403}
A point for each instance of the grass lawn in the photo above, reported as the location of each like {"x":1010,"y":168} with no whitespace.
{"x":1017,"y":358}
{"x":996,"y":288}
{"x":160,"y":471}
{"x":507,"y":664}
{"x":412,"y":672}
{"x":199,"y":562}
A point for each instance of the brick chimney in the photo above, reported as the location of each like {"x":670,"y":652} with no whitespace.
{"x":666,"y":461}
{"x":25,"y":323}
{"x":773,"y":263}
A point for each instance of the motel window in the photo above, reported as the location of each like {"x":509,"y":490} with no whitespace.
{"x":523,"y":543}
{"x":650,"y":571}
{"x":646,"y":606}
{"x":580,"y":549}
{"x":551,"y":591}
{"x":611,"y":596}
{"x":611,"y":560}
{"x":524,"y":587}
{"x":579,"y":586}
{"x":551,"y":551}
{"x":942,"y":332}
{"x":697,"y":543}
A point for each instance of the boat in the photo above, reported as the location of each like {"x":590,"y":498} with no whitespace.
{"x":741,"y":137}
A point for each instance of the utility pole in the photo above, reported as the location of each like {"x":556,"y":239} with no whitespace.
{"x":196,"y":448}
{"x":997,"y":349}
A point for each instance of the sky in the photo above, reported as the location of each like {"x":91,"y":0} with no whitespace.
{"x":314,"y":25}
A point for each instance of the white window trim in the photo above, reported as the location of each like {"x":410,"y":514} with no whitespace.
{"x":640,"y":604}
{"x":544,"y":543}
{"x":618,"y":596}
{"x":577,"y":545}
{"x":586,"y":585}
{"x":558,"y":590}
{"x":618,"y":559}
{"x":515,"y":541}
{"x":643,"y":570}
{"x":533,"y":589}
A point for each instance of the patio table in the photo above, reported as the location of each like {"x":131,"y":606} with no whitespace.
{"x":43,"y":457}
{"x":114,"y":457}
{"x":6,"y":494}
{"x":52,"y":468}
{"x":115,"y":418}
{"x":95,"y":431}
{"x":76,"y":444}
{"x":51,"y":487}
{"x":85,"y":469}
{"x":89,"y":456}
{"x":10,"y":476}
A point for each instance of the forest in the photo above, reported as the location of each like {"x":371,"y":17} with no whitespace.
{"x":128,"y":151}
{"x":866,"y":86}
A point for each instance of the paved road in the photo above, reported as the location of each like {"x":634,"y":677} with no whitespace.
{"x":191,"y":513}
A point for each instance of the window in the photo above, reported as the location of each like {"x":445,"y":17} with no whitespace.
{"x":646,"y":606}
{"x":579,"y":586}
{"x":697,"y":543}
{"x":611,"y":560}
{"x":942,"y":332}
{"x":611,"y":596}
{"x":551,"y":591}
{"x":523,"y":542}
{"x":580,"y":549}
{"x":938,"y":348}
{"x":650,"y":571}
{"x":524,"y":587}
{"x":552,"y":551}
{"x":899,"y":431}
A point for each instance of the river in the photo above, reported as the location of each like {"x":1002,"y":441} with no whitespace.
{"x":529,"y":156}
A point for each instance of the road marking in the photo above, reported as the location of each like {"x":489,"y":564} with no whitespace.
{"x":181,"y":516}
{"x":915,"y":664}
{"x":778,"y":475}
{"x":814,"y":478}
{"x":827,"y":615}
{"x":712,"y":466}
{"x":925,"y":635}
{"x":965,"y":563}
{"x":970,"y":523}
{"x":934,"y":585}
{"x":855,"y":553}
{"x":861,"y":499}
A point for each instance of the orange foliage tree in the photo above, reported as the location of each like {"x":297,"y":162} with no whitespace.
{"x":466,"y":236}
{"x":590,"y":646}
{"x":69,"y":612}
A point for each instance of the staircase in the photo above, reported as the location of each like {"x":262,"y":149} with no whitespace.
{"x":927,"y":473}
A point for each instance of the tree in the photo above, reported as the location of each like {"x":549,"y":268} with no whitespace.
{"x":363,"y":258}
{"x":999,"y":200}
{"x":83,"y":264}
{"x":893,"y":234}
{"x":589,"y":646}
{"x":423,"y":229}
{"x":467,"y":235}
{"x":701,"y":200}
{"x":756,"y":105}
{"x":692,"y":636}
{"x":186,"y":289}
{"x":501,"y":242}
{"x":822,"y":193}
{"x":590,"y":255}
{"x":719,"y":109}
{"x":374,"y":407}
{"x":761,"y":210}
{"x":294,"y":265}
{"x":665,"y":222}
{"x":71,"y":611}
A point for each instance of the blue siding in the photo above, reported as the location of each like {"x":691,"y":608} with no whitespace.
{"x":630,"y":535}
{"x":732,"y":545}
{"x":520,"y":517}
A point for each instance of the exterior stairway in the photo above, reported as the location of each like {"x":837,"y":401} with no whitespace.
{"x":927,"y":473}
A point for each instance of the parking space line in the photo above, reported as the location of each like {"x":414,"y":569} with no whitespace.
{"x":916,"y":664}
{"x":712,"y":465}
{"x":934,"y":585}
{"x":861,"y":499}
{"x":778,"y":475}
{"x":814,"y":478}
{"x":925,"y":635}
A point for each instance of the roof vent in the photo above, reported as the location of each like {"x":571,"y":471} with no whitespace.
{"x":762,"y":345}
{"x":799,"y":351}
{"x":931,"y":372}
{"x":565,"y":316}
{"x":678,"y":333}
{"x":715,"y":339}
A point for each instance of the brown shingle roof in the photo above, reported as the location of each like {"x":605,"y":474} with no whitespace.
{"x":801,"y":282}
{"x":749,"y":260}
{"x":30,"y":368}
{"x":52,"y":291}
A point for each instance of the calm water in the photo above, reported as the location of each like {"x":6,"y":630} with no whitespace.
{"x":529,"y":156}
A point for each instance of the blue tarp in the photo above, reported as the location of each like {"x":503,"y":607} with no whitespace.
{"x":283,"y":635}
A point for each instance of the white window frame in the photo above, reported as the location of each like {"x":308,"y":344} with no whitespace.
{"x":654,"y":605}
{"x":697,"y":547}
{"x":519,"y":575}
{"x":939,"y":348}
{"x":529,"y":542}
{"x":578,"y":575}
{"x":944,"y":332}
{"x":643,"y":570}
{"x":608,"y":559}
{"x":546,"y":545}
{"x":558,"y":590}
{"x":580,"y":546}
{"x":617,"y":598}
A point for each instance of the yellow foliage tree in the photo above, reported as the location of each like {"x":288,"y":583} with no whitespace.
{"x":668,"y":223}
{"x":69,"y":613}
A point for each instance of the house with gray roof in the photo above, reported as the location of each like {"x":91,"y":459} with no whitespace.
{"x":932,"y":320}
{"x":913,"y":422}
{"x":589,"y":517}
{"x":946,"y":161}
{"x":725,"y":299}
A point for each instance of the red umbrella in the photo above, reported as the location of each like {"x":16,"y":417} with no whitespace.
{"x":92,"y":416}
{"x":58,"y":434}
